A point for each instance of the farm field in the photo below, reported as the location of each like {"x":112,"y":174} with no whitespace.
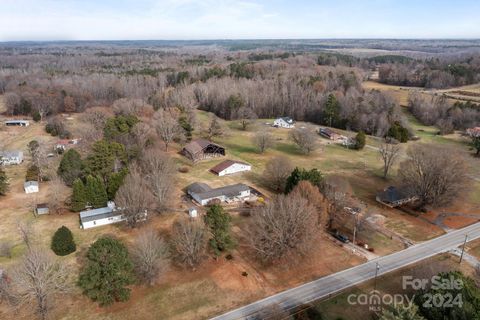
{"x":219,"y":286}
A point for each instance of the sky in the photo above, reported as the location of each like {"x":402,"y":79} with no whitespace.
{"x":232,"y":19}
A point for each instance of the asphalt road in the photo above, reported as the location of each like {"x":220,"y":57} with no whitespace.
{"x":339,"y":281}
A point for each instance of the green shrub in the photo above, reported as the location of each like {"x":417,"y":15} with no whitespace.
{"x":62,"y":242}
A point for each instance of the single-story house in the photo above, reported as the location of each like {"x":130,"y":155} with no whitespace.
{"x":102,"y":216}
{"x":11,"y":157}
{"x":284,"y":122}
{"x":395,"y":197}
{"x":42,"y":208}
{"x":203,"y":194}
{"x":331,"y":135}
{"x":202,"y":149}
{"x":31,"y":187}
{"x":474,"y":132}
{"x":20,"y":123}
{"x":230,"y":167}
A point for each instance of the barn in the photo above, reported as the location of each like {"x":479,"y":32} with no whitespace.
{"x":31,"y":187}
{"x":201,"y":149}
{"x":203,"y":194}
{"x":230,"y":167}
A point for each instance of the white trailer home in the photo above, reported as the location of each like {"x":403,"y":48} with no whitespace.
{"x":102,"y":216}
{"x":18,"y":123}
{"x":11,"y":157}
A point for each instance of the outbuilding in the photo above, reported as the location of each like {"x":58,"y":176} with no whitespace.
{"x":31,"y":187}
{"x":230,"y":167}
{"x":11,"y":157}
{"x":42,"y":208}
{"x":203,"y":194}
{"x":19,"y":123}
{"x":202,"y":149}
{"x":192,"y":212}
{"x":284,"y":122}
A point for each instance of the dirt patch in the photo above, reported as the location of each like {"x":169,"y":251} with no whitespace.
{"x":457,"y":222}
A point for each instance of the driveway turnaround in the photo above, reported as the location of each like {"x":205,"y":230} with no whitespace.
{"x":334,"y":283}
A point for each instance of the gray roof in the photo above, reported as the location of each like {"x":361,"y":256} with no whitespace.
{"x":11,"y":154}
{"x":30,"y":183}
{"x":198,"y":145}
{"x":198,"y":187}
{"x":16,"y":121}
{"x":96,"y":214}
{"x":228,"y":191}
{"x":287,"y":120}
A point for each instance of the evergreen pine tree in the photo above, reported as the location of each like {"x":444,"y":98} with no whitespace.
{"x":218,"y":222}
{"x":96,"y":192}
{"x":332,"y":109}
{"x":79,"y":196}
{"x":360,"y":140}
{"x":3,"y":182}
{"x":71,"y":167}
{"x":108,"y":272}
{"x":313,"y":176}
{"x":62,"y":242}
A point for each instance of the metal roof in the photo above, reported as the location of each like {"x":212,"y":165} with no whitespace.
{"x":228,"y":191}
{"x":225,"y":164}
{"x":96,"y":214}
{"x":198,"y":145}
{"x":11,"y":154}
{"x":30,"y":183}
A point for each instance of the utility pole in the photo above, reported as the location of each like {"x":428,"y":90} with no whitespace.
{"x":463,"y":248}
{"x":355,"y":217}
{"x":376,"y":274}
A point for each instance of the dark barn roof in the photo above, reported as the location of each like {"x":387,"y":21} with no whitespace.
{"x":224,"y":165}
{"x":393,"y":195}
{"x":198,"y":149}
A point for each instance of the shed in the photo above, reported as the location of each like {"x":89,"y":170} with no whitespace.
{"x":31,"y":187}
{"x":394,"y":197}
{"x":203,"y":194}
{"x":192,"y":212}
{"x":202,"y":149}
{"x":284,"y":122}
{"x":230,"y":167}
{"x":42,"y":208}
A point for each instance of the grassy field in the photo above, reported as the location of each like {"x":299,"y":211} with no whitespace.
{"x":217,"y":285}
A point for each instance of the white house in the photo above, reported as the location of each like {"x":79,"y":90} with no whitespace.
{"x":203,"y":194}
{"x":20,"y":123}
{"x":284,"y":122}
{"x":230,"y":167}
{"x":11,"y":157}
{"x":102,"y":216}
{"x":30,"y":187}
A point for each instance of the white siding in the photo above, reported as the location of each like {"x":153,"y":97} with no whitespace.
{"x":102,"y":222}
{"x":234,"y":168}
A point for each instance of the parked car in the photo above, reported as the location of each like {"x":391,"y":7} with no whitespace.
{"x":341,"y":237}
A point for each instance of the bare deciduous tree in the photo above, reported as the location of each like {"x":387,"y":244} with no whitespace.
{"x":150,"y":255}
{"x":38,"y":279}
{"x":304,"y":139}
{"x":389,"y":153}
{"x":167,"y":126}
{"x":246,"y":116}
{"x":286,"y":226}
{"x":134,"y":197}
{"x":159,"y":170}
{"x":26,"y":233}
{"x":55,"y":196}
{"x":277,"y":170}
{"x":214,"y":128}
{"x":435,"y":174}
{"x":189,"y":242}
{"x":263,"y":140}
